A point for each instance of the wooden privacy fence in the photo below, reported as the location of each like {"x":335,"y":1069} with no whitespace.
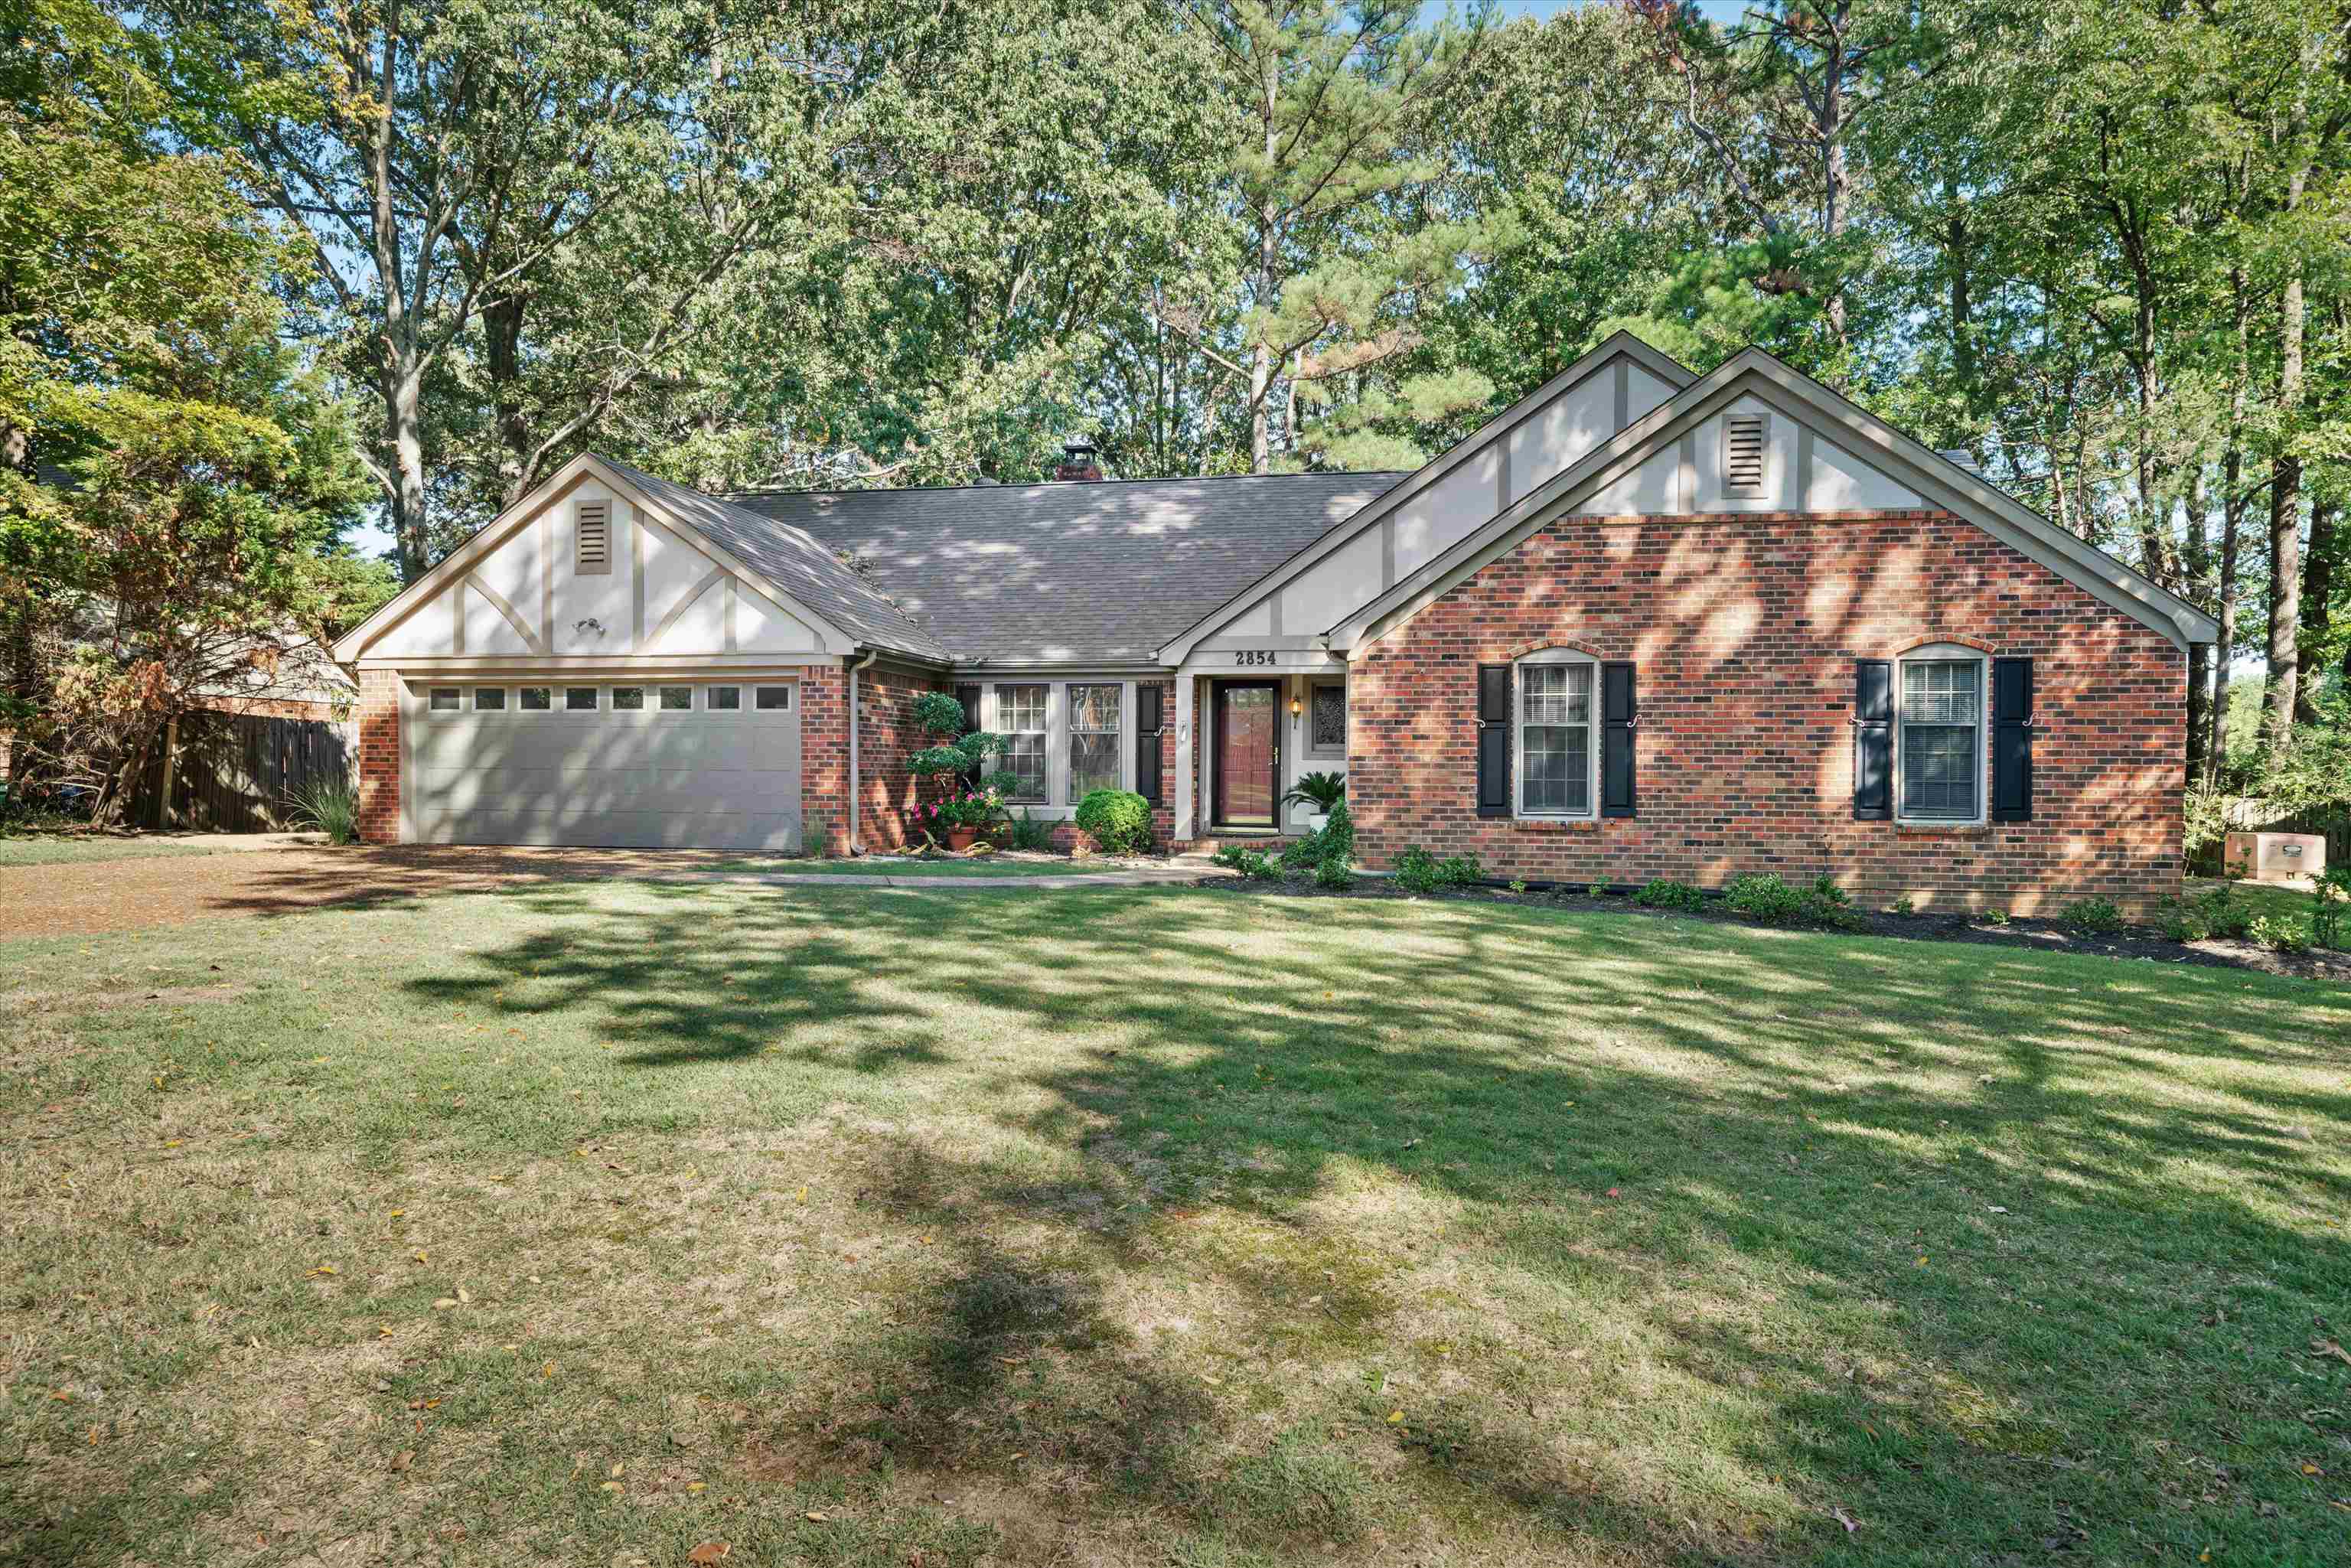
{"x":238,"y":773}
{"x":2252,"y":814}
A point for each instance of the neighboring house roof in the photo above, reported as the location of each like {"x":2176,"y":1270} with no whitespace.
{"x":798,"y":564}
{"x":1073,"y":573}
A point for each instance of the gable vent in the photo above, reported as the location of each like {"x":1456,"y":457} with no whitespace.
{"x":591,"y":524}
{"x":1742,"y":455}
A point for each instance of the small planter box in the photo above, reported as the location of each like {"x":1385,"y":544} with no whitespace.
{"x":2274,"y":857}
{"x":1317,"y":820}
{"x":962,"y":839}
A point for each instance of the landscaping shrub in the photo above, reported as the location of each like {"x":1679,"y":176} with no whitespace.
{"x":1334,"y":873}
{"x":2329,"y":901}
{"x":2282,"y":933}
{"x":1338,"y":835}
{"x":1459,"y":870}
{"x":1026,"y":833}
{"x":2222,"y":915}
{"x":1760,"y":895}
{"x":2182,"y":922}
{"x":1905,"y":905}
{"x":1662,"y":894}
{"x":1117,"y":821}
{"x":2095,"y":915}
{"x":1300,"y":856}
{"x":333,"y":809}
{"x":1415,"y":870}
{"x":1252,"y":863}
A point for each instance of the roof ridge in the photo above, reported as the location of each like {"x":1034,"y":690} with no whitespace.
{"x":733,"y":498}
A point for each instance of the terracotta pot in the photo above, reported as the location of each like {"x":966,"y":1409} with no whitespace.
{"x":962,"y":839}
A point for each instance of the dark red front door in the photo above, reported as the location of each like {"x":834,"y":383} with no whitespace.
{"x":1248,"y":754}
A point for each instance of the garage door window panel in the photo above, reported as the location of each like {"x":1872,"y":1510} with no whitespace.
{"x":677,"y":699}
{"x":535,"y":699}
{"x":722,"y":699}
{"x":628,"y":699}
{"x":579,"y":699}
{"x":489,"y":699}
{"x":773,"y":699}
{"x":445,"y":699}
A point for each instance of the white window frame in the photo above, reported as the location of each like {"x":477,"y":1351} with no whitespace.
{"x":664,"y":689}
{"x":784,"y":686}
{"x":612,"y":698}
{"x":1946,"y":653}
{"x":709,"y":706}
{"x":597,"y":706}
{"x":456,"y":699}
{"x":504,"y":706}
{"x":1117,"y":732}
{"x":1553,"y":656}
{"x":536,"y":712}
{"x":994,"y":724}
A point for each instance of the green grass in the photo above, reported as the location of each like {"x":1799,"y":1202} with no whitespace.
{"x":2261,"y":897}
{"x":871,"y":865}
{"x":1158,"y":1226}
{"x":48,"y":849}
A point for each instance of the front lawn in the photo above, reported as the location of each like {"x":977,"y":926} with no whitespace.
{"x":917,"y":865}
{"x":592,"y":1222}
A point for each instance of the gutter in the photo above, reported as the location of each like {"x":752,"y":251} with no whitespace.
{"x":856,"y":842}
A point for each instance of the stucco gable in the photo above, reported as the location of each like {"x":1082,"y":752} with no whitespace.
{"x":1818,"y":454}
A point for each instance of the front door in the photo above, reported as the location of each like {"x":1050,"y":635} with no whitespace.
{"x":1247,"y":753}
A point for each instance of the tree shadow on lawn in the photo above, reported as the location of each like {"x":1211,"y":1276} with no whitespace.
{"x":1807,"y":1256}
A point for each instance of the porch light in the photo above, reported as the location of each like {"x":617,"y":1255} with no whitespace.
{"x":1296,"y":707}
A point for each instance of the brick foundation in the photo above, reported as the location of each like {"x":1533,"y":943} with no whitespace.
{"x":1744,"y":629}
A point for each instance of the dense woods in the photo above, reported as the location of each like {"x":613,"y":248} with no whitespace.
{"x":267,"y":271}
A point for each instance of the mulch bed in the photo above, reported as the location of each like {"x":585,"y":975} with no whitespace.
{"x":2039,"y":936}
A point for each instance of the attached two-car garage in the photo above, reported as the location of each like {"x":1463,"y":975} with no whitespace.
{"x":682,"y":764}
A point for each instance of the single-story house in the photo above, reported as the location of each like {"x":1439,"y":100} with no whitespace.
{"x":1643,"y":624}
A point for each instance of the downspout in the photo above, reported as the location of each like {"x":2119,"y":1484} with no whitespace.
{"x":856,"y":843}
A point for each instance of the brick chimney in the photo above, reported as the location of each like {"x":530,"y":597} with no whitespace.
{"x":1078,"y":462}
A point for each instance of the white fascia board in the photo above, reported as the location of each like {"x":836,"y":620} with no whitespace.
{"x":1752,"y":372}
{"x":351,"y":646}
{"x":1619,"y":344}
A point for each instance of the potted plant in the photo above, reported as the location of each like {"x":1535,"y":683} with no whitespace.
{"x":963,"y":804}
{"x":1322,"y":791}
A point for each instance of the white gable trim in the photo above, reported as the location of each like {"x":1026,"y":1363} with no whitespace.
{"x":1752,"y":372}
{"x":455,"y":570}
{"x":1621,"y":347}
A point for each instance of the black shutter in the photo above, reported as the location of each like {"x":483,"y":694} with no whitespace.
{"x":1873,"y":740}
{"x":969,"y":696}
{"x":2011,"y":740}
{"x":1493,"y":740}
{"x":1149,"y":716}
{"x":1618,"y":718}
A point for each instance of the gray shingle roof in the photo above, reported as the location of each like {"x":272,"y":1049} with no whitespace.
{"x":1078,"y":574}
{"x":803,"y":566}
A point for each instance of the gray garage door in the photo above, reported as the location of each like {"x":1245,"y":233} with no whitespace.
{"x":672,"y":766}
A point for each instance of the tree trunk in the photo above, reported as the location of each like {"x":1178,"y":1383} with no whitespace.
{"x":1956,"y":243}
{"x":502,"y":355}
{"x":2317,"y":611}
{"x":2196,"y":566}
{"x":2280,"y":697}
{"x":1832,"y":163}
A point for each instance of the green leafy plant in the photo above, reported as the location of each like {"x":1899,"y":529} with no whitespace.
{"x":1904,"y":905}
{"x":1302,"y":855}
{"x":2282,"y":933}
{"x":2329,"y":901}
{"x":1518,"y":884}
{"x":2093,"y":914}
{"x":1335,"y":874}
{"x":1026,"y":833}
{"x":948,"y":771}
{"x":1597,"y":890}
{"x":1663,"y":894}
{"x":1761,"y":895}
{"x":2223,"y":914}
{"x":2182,"y":922}
{"x":1996,"y":917}
{"x":1459,"y":870}
{"x":1117,"y":821}
{"x":1338,"y":835}
{"x":1252,"y":863}
{"x":330,"y":806}
{"x":1415,"y":870}
{"x":1319,"y":791}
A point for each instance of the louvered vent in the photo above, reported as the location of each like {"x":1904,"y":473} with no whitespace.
{"x":1742,"y":455}
{"x":591,"y":523}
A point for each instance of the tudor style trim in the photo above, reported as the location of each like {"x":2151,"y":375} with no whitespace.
{"x":1755,"y":374}
{"x":1621,"y":347}
{"x":352,"y":646}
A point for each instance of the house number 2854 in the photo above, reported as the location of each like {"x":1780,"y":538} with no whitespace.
{"x":1253,"y":656}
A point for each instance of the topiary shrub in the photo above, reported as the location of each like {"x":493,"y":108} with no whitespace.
{"x":1338,"y":835}
{"x":1117,"y":821}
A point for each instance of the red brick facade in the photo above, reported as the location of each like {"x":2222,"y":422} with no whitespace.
{"x":1744,"y":630}
{"x":889,"y":738}
{"x":379,"y":762}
